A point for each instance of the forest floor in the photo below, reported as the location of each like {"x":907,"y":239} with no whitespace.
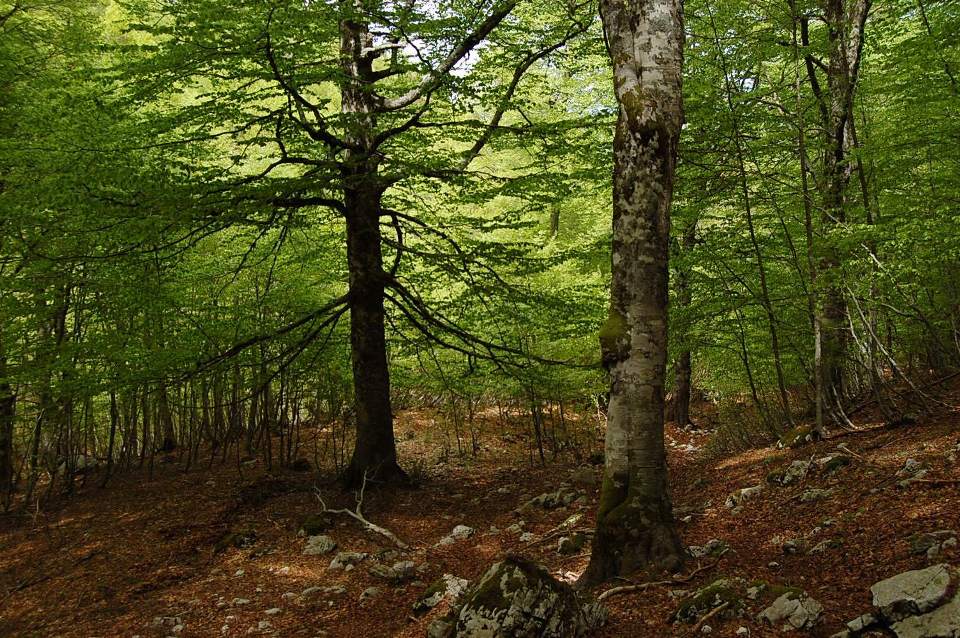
{"x":110,"y":562}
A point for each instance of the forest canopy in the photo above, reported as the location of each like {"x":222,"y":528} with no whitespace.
{"x":258,"y":231}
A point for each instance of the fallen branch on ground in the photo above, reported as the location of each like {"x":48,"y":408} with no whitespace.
{"x":713,"y":612}
{"x":358,"y":516}
{"x":623,"y":589}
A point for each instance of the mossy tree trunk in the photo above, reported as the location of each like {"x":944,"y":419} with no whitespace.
{"x":635,"y":527}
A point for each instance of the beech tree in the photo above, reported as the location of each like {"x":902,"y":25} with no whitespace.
{"x":845,"y":22}
{"x":349,"y":99}
{"x":635,"y":527}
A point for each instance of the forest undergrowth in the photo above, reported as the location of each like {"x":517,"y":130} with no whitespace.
{"x":138,"y":558}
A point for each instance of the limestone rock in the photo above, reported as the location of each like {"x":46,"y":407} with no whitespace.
{"x":793,"y":611}
{"x":932,"y":543}
{"x":447,"y":587}
{"x":942,"y":622}
{"x":319,"y":545}
{"x":739,"y":497}
{"x":517,"y":598}
{"x":911,"y":593}
{"x":459,"y":533}
{"x":345,"y":560}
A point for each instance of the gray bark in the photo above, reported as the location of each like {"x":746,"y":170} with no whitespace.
{"x":635,"y":527}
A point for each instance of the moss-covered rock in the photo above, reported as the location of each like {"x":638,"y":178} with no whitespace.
{"x":798,"y":436}
{"x":518,"y":598}
{"x":835,"y":463}
{"x":316,"y":524}
{"x":728,"y":591}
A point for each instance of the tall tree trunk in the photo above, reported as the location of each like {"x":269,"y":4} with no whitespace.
{"x":375,"y":452}
{"x":8,"y":403}
{"x":845,"y":21}
{"x":813,"y":305}
{"x":635,"y":527}
{"x":683,"y":367}
{"x":740,"y":145}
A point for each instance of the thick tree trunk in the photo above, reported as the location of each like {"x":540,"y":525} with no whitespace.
{"x":375,"y":452}
{"x":635,"y":527}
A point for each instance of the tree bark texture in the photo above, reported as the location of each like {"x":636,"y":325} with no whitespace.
{"x":635,"y":527}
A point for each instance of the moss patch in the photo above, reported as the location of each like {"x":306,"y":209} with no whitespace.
{"x":719,"y":592}
{"x":614,"y":337}
{"x":316,"y":524}
{"x":798,"y":436}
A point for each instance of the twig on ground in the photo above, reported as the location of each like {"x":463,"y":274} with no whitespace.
{"x":556,"y":531}
{"x":623,"y":589}
{"x":358,"y":515}
{"x":843,"y":448}
{"x":713,"y":612}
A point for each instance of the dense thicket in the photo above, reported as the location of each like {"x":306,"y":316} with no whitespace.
{"x":184,"y":247}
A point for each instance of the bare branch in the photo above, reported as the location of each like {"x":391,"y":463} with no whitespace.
{"x":431,"y":81}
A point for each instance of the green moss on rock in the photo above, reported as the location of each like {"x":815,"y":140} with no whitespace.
{"x":719,"y":592}
{"x":316,"y":524}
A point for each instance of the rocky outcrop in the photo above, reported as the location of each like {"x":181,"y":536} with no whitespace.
{"x":793,"y":611}
{"x":516,"y":598}
{"x":923,"y":603}
{"x":319,"y":545}
{"x":910,"y":593}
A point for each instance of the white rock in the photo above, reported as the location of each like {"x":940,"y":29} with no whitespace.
{"x":459,"y":533}
{"x":318,"y":545}
{"x":793,"y":611}
{"x":944,"y":621}
{"x":346,"y":560}
{"x":910,"y":593}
